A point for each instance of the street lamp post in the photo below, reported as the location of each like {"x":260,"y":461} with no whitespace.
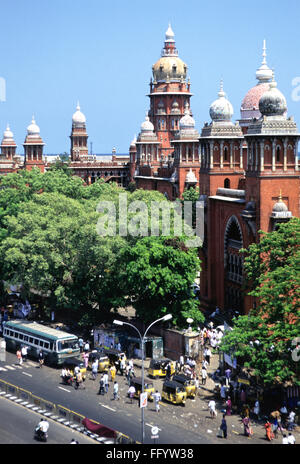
{"x":167,"y":317}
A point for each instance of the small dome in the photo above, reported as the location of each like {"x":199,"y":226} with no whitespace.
{"x":7,"y":134}
{"x":33,"y":129}
{"x":280,"y":206}
{"x":133,"y":143}
{"x":190,"y":177}
{"x":170,"y":67}
{"x":221,"y":109}
{"x":147,"y":125}
{"x":252,"y":97}
{"x":78,"y":117}
{"x":187,"y":121}
{"x":272,"y":102}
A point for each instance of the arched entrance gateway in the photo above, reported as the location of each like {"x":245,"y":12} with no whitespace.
{"x":233,"y":266}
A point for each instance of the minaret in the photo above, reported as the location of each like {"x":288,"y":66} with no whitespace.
{"x":8,"y":145}
{"x":33,"y":147}
{"x":169,"y":93}
{"x":79,"y":137}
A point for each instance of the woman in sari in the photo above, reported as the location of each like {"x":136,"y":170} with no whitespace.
{"x":269,"y":433}
{"x":228,"y":406}
{"x":246,"y":422}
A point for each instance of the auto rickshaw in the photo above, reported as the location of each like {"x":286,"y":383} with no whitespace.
{"x":188,"y":383}
{"x":114,"y":356}
{"x":158,"y":368}
{"x":103,"y":361}
{"x":71,"y":363}
{"x":173,"y":392}
{"x":148,"y":387}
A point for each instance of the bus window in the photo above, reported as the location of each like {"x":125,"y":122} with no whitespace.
{"x":46,"y":345}
{"x":30,"y":340}
{"x":21,"y":336}
{"x":36,"y":342}
{"x":25,"y":338}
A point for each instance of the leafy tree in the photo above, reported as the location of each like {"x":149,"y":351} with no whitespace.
{"x":265,"y":338}
{"x":159,"y":274}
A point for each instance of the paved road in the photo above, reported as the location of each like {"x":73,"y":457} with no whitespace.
{"x":121,"y":415}
{"x":17,"y":427}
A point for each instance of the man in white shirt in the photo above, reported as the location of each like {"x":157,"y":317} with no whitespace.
{"x":131,"y":392}
{"x":157,"y":398}
{"x":42,"y":427}
{"x":285,"y":440}
{"x":116,"y":391}
{"x":24,"y":353}
{"x":105,"y":380}
{"x":212,"y":408}
{"x":291,"y":439}
{"x":94,"y":369}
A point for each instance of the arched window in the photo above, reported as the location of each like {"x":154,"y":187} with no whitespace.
{"x":225,"y":154}
{"x":227,"y":183}
{"x":278,"y":154}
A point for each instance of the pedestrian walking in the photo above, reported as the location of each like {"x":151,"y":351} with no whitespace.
{"x":223,"y":426}
{"x":101,"y":386}
{"x":105,"y":380}
{"x":228,"y":406}
{"x":181,"y":361}
{"x":203,"y":375}
{"x":113,"y":371}
{"x":116,"y":391}
{"x":212,"y":408}
{"x":78,"y":380}
{"x":19,"y":356}
{"x":41,"y":358}
{"x":247,"y":428}
{"x":291,"y":439}
{"x":86,"y":347}
{"x":131,"y":393}
{"x":285,"y":440}
{"x":85,"y":359}
{"x":94,"y":369}
{"x":207,"y":355}
{"x":24,"y":353}
{"x":269,"y":432}
{"x":156,"y":397}
{"x":223,"y":391}
{"x":80,"y":342}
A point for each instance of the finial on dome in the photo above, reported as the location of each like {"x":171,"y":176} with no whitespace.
{"x":221,"y":92}
{"x":78,"y":106}
{"x":264,"y":52}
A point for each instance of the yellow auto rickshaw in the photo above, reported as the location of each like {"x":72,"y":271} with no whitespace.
{"x":148,"y":387}
{"x":158,"y":368}
{"x":103,"y":361}
{"x":72,"y":363}
{"x":173,"y":392}
{"x":114,"y":356}
{"x":188,"y":383}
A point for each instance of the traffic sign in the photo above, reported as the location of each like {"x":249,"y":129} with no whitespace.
{"x":143,"y":400}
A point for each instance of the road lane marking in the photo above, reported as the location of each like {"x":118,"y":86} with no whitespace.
{"x":62,"y":388}
{"x":25,"y":373}
{"x":107,"y":407}
{"x":3,"y":369}
{"x":10,"y":367}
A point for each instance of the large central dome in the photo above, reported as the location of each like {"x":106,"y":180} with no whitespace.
{"x":169,"y":66}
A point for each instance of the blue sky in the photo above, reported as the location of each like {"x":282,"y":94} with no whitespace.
{"x":53,"y":53}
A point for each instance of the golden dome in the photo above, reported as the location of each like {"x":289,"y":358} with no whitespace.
{"x":170,"y":67}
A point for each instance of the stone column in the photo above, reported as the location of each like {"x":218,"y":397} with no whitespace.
{"x":285,"y":143}
{"x":211,"y":152}
{"x":273,"y":155}
{"x":241,"y":154}
{"x":221,"y":153}
{"x":296,"y":155}
{"x":262,"y":155}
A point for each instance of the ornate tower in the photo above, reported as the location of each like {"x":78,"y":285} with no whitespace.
{"x":221,"y":141}
{"x":79,"y":137}
{"x":8,"y":145}
{"x":33,"y":148}
{"x":272,"y":163}
{"x":169,"y":93}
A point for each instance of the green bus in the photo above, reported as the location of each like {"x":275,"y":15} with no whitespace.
{"x":55,"y":344}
